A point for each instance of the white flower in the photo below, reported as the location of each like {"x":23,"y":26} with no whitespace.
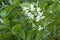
{"x":30,"y":15}
{"x":40,"y":28}
{"x":51,"y":11}
{"x":26,"y":11}
{"x":40,"y":13}
{"x":1,"y":20}
{"x":38,"y":9}
{"x":59,"y":1}
{"x":32,"y":7}
{"x":42,"y":17}
{"x":37,"y":18}
{"x":25,"y":8}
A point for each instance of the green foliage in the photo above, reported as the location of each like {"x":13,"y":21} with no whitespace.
{"x":14,"y":25}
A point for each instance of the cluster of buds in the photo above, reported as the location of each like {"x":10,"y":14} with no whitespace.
{"x":33,"y":12}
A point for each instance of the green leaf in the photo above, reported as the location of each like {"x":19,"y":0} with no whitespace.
{"x":5,"y":12}
{"x":16,"y":2}
{"x":16,"y":28}
{"x":43,"y":5}
{"x":40,"y":35}
{"x":6,"y":21}
{"x":30,"y":34}
{"x":25,"y":5}
{"x":1,"y":38}
{"x":2,"y":27}
{"x":21,"y":34}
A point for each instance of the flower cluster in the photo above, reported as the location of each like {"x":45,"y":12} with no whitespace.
{"x":33,"y":12}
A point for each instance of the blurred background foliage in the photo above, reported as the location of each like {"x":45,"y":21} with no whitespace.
{"x":16,"y":27}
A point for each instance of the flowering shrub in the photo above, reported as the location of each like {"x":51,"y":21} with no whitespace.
{"x":29,"y":19}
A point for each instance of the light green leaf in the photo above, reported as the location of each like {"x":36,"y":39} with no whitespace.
{"x":40,"y":35}
{"x":1,"y":38}
{"x":16,"y":28}
{"x":25,"y":5}
{"x":30,"y":34}
{"x":6,"y":21}
{"x":2,"y":27}
{"x":21,"y":34}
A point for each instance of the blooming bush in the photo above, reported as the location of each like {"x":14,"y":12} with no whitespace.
{"x":29,"y":19}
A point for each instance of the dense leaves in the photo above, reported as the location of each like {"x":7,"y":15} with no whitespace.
{"x":14,"y":25}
